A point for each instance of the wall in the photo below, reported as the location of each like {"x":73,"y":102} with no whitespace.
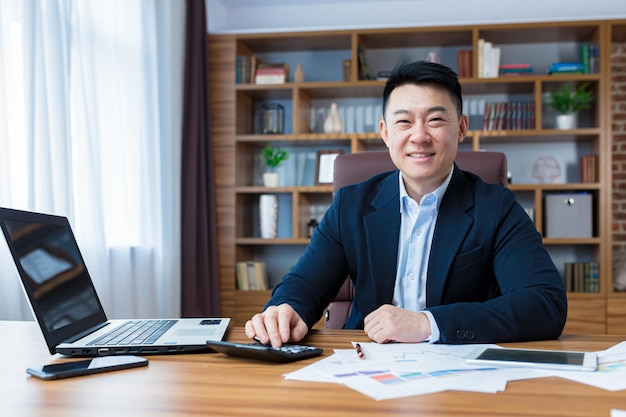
{"x":618,"y":127}
{"x":251,"y":16}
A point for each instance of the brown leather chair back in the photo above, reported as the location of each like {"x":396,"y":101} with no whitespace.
{"x":357,"y":167}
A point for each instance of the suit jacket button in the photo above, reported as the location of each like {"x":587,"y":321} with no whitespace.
{"x":460,"y":334}
{"x":470,"y":335}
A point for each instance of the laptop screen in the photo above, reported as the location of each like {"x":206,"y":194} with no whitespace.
{"x":53,"y":274}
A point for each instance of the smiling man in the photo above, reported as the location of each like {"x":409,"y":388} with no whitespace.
{"x":434,"y":252}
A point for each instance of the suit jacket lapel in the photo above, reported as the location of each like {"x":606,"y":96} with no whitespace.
{"x":453,"y":222}
{"x":382,"y":231}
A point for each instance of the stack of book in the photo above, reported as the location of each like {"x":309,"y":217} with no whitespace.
{"x":464,"y":63}
{"x":557,"y":68}
{"x":245,"y":68}
{"x":251,"y":276}
{"x":582,"y":277}
{"x":588,"y":166}
{"x":488,"y":59}
{"x":510,"y":115}
{"x":271,"y":74}
{"x":589,"y":58}
{"x":515,"y":70}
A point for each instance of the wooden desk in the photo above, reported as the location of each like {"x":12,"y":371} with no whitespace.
{"x":216,"y":385}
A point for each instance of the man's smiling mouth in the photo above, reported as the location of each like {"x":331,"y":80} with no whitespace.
{"x":420,"y":155}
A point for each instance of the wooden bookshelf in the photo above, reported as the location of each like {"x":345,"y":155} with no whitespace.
{"x":322,"y":54}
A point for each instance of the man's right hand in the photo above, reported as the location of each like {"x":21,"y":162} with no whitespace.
{"x":277,"y":325}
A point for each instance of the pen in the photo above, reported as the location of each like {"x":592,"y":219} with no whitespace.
{"x":359,"y":351}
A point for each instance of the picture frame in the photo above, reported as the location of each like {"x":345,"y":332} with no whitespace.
{"x":325,"y":165}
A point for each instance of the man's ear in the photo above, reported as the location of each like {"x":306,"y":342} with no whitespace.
{"x":463,"y":127}
{"x":382,"y":129}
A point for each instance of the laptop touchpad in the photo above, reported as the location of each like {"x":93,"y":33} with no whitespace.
{"x":202,"y":331}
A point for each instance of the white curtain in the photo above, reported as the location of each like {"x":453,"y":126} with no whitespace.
{"x":90,"y":128}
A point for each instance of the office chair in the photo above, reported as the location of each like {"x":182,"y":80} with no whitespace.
{"x":357,"y":167}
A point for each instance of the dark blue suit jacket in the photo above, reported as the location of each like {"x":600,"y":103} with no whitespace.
{"x":489,"y":278}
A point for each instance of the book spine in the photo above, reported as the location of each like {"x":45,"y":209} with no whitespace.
{"x":480,"y":58}
{"x":242,"y":276}
{"x":252,"y":280}
{"x":269,"y":79}
{"x":584,"y":58}
{"x":271,"y":71}
{"x":260,"y":275}
{"x":364,"y":70}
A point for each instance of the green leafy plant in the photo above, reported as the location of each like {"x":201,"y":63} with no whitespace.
{"x":274,"y":156}
{"x":567,"y":100}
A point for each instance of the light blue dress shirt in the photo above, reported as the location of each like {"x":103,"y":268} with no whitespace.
{"x":417,"y":227}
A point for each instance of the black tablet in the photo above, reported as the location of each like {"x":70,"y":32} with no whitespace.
{"x":534,"y":358}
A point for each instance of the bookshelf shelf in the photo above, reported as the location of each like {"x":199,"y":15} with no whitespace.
{"x":322,"y":54}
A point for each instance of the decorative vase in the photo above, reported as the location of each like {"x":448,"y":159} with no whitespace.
{"x":566,"y":121}
{"x":270,"y":179}
{"x":298,"y":75}
{"x":333,"y":123}
{"x":268,"y":211}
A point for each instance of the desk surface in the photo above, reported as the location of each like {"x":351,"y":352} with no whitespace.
{"x":216,"y":385}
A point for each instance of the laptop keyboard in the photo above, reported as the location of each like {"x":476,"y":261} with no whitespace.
{"x":134,"y":332}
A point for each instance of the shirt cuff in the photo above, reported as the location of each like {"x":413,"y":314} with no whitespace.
{"x":434,"y":329}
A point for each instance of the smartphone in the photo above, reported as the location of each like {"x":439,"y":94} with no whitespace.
{"x":534,"y":358}
{"x":87,"y":367}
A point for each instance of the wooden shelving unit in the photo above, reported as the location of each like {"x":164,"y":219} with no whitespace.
{"x":237,"y":148}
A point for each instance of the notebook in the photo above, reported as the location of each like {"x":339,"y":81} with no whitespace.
{"x":67,"y":307}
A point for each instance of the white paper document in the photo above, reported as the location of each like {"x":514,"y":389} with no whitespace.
{"x":396,"y":370}
{"x":611,"y":373}
{"x":405,"y":369}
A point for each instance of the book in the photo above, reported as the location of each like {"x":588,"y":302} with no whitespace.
{"x":509,"y":70}
{"x":489,"y":60}
{"x":464,"y":63}
{"x":588,"y":166}
{"x":364,"y":69}
{"x":271,"y":73}
{"x":243,"y":73}
{"x":594,"y":62}
{"x":269,"y":79}
{"x":257,"y":278}
{"x":347,"y":69}
{"x":593,"y":277}
{"x":242,"y":276}
{"x":582,"y":277}
{"x":519,"y":66}
{"x":480,"y":57}
{"x":583,"y":52}
{"x":260,"y":276}
{"x":515,"y":115}
{"x":566,"y":68}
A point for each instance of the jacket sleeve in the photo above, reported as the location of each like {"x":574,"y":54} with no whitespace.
{"x":318,"y":274}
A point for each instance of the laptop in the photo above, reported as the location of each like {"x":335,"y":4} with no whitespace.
{"x":67,"y":307}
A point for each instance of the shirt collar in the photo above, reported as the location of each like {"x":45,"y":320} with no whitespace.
{"x":438,"y":192}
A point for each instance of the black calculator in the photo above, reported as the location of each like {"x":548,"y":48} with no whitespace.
{"x":258,"y":351}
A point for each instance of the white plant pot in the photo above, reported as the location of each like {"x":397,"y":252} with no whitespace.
{"x":270,"y":179}
{"x":268,"y":212}
{"x":566,"y":121}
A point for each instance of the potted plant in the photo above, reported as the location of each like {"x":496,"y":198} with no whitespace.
{"x":272,"y":157}
{"x":568,"y":102}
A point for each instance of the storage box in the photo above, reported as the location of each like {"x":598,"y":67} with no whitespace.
{"x":568,"y":215}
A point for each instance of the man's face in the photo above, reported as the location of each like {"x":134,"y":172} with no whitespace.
{"x":422,"y":130}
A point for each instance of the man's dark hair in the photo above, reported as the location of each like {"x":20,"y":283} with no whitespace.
{"x":424,"y":73}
